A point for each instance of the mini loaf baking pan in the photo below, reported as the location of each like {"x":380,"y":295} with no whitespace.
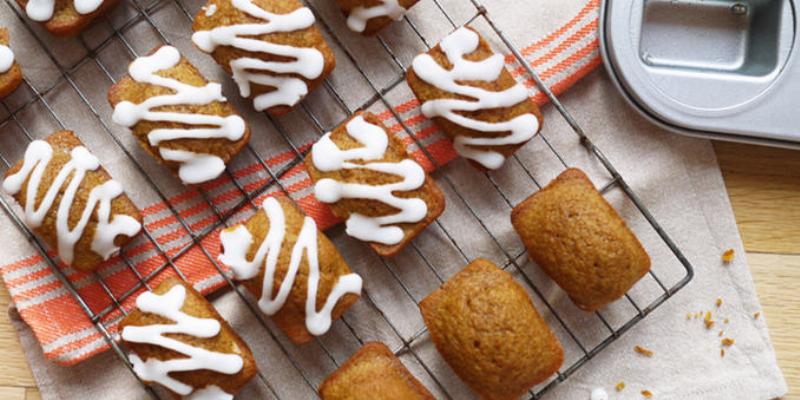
{"x":717,"y":69}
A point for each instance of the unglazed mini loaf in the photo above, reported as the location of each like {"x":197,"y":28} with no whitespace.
{"x":370,"y":16}
{"x":178,"y":339}
{"x":464,"y":86}
{"x":10,"y":73}
{"x":580,"y":241}
{"x":373,"y":373}
{"x":71,"y":202}
{"x":65,"y":17}
{"x":179,"y":117}
{"x":272,"y":49}
{"x":368,"y":178}
{"x":487,"y":329}
{"x":297,"y":274}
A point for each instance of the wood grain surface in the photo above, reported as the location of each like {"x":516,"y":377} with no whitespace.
{"x":764,"y":186}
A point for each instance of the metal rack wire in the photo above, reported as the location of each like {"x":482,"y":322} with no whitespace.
{"x":248,"y":196}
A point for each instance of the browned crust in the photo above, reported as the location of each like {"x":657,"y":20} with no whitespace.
{"x":373,"y":373}
{"x":425,"y":91}
{"x":226,"y":14}
{"x":9,"y":80}
{"x":430,"y":192}
{"x":227,"y":341}
{"x":66,"y":21}
{"x":373,"y":24}
{"x":485,"y":326}
{"x":580,"y":241}
{"x":128,"y":89}
{"x":291,"y":318}
{"x":85,"y":259}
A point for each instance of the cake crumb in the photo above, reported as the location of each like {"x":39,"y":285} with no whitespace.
{"x":719,"y":302}
{"x":727,"y":256}
{"x":643,"y":351}
{"x":756,"y":314}
{"x":722,"y":352}
{"x":708,"y":321}
{"x":726,"y":320}
{"x":721,"y":333}
{"x":727,"y":342}
{"x":647,"y":394}
{"x":620,"y":386}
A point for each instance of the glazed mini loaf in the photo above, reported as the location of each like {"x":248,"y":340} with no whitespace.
{"x":71,"y":202}
{"x":65,"y":17}
{"x":487,"y":329}
{"x":10,"y":73}
{"x":464,"y":86}
{"x":177,"y":339}
{"x":368,"y":178}
{"x":373,"y":373}
{"x":272,"y":49}
{"x":370,"y":16}
{"x":178,"y":116}
{"x":580,"y":241}
{"x":295,"y":272}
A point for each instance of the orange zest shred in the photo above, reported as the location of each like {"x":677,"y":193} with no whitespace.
{"x":756,"y":314}
{"x":647,"y":394}
{"x":727,"y":342}
{"x":620,"y":386}
{"x":727,"y":256}
{"x":643,"y":351}
{"x":708,"y":321}
{"x":718,"y":302}
{"x":722,"y":352}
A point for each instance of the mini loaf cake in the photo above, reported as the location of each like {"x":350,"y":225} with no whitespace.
{"x":295,"y":272}
{"x":464,"y":86}
{"x":370,"y":16}
{"x":578,"y":239}
{"x":10,"y":73}
{"x":71,"y":202}
{"x":373,"y":373}
{"x":271,"y":47}
{"x":368,"y":178}
{"x":485,"y":326}
{"x":178,"y":116}
{"x":178,"y":339}
{"x":65,"y":17}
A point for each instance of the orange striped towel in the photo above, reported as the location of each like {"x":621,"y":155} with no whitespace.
{"x":68,"y":335}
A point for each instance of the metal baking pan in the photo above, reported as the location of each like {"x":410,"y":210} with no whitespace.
{"x":717,"y":69}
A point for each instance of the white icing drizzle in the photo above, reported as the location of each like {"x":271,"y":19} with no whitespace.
{"x":307,"y":62}
{"x":359,"y":16}
{"x":195,"y":168}
{"x":211,"y":392}
{"x":169,"y":306}
{"x":37,"y":157}
{"x":599,"y":394}
{"x":6,"y":58}
{"x":456,"y":46}
{"x":210,"y":9}
{"x":42,"y":10}
{"x":327,"y":156}
{"x":237,"y":242}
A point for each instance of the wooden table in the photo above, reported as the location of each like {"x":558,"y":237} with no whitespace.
{"x":764,"y":186}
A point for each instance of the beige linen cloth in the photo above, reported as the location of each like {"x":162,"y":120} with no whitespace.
{"x":676,"y":177}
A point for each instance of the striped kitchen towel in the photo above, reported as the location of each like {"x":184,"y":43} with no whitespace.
{"x":66,"y":332}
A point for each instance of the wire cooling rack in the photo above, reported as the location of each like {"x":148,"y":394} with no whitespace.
{"x":411,"y":344}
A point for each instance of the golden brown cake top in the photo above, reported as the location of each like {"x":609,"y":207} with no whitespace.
{"x":311,"y":285}
{"x":572,"y":232}
{"x":373,"y":373}
{"x":488,"y":330}
{"x":368,"y":178}
{"x":179,"y":340}
{"x":65,"y":17}
{"x":10,"y":72}
{"x":178,"y":116}
{"x":464,"y":86}
{"x":71,"y":202}
{"x":271,"y":47}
